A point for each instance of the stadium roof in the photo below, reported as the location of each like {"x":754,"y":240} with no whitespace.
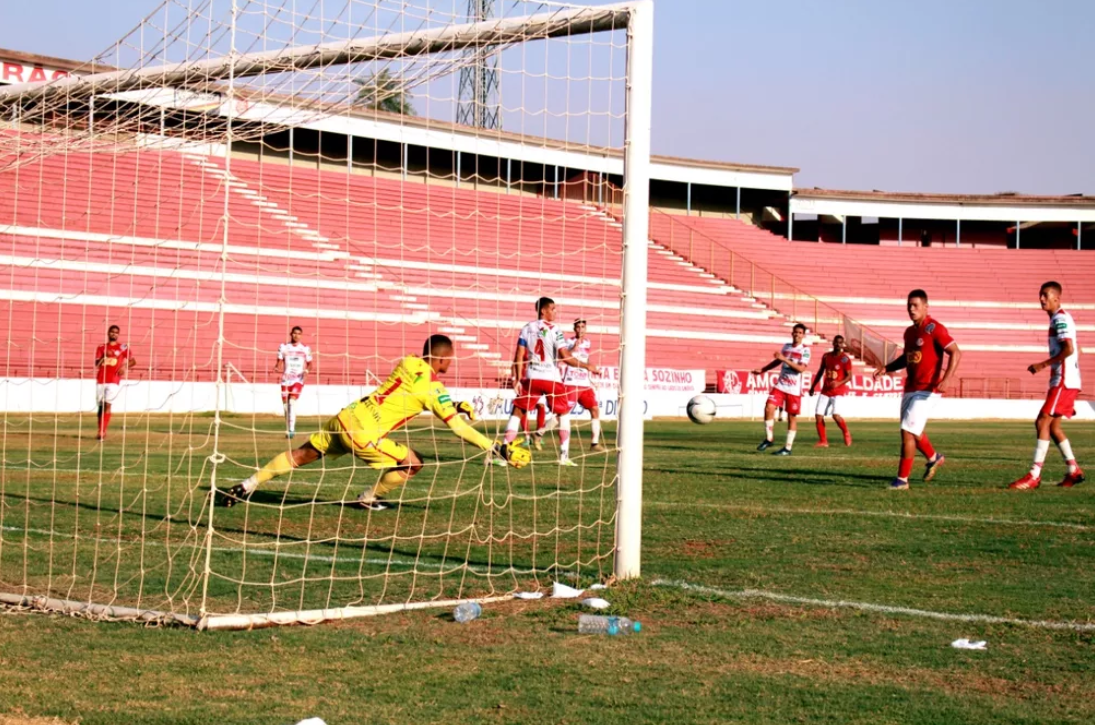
{"x":1000,"y":199}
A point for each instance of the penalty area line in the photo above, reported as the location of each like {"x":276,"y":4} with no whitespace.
{"x":870,"y":607}
{"x":986,"y":520}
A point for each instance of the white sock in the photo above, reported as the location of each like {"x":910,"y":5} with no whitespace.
{"x":1040,"y":451}
{"x":1066,"y":453}
{"x":768,"y":426}
{"x":595,"y":426}
{"x":292,"y":416}
{"x":549,"y":424}
{"x":250,"y":484}
{"x":286,"y":408}
{"x":790,"y":439}
{"x":564,"y":436}
{"x":512,"y":427}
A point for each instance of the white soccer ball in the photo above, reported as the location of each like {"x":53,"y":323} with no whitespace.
{"x":701,"y":410}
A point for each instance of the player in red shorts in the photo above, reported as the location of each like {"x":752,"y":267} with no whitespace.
{"x":787,"y":392}
{"x":112,"y":361}
{"x":540,"y":348}
{"x":836,"y":371}
{"x":927,"y":342}
{"x":294,"y":363}
{"x":1064,"y":386}
{"x":577,"y":382}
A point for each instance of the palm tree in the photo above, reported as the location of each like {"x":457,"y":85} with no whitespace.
{"x":382,"y":92}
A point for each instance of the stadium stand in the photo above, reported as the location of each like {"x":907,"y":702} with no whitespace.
{"x":987,"y":297}
{"x":317,"y":248}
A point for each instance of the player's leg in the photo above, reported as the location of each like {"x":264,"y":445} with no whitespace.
{"x":588,"y":400}
{"x":521,"y":405}
{"x":285,"y":407}
{"x":279,"y":465}
{"x":913,"y":421}
{"x":397,"y":463}
{"x":545,"y":423}
{"x":291,"y":417}
{"x":820,"y":411}
{"x":843,"y":429}
{"x":793,"y":406}
{"x":769,"y":420}
{"x":560,"y":405}
{"x":1075,"y":474}
{"x":1043,"y":428}
{"x":100,"y":400}
{"x":109,"y":395}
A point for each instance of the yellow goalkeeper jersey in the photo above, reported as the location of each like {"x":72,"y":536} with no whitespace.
{"x":411,"y":389}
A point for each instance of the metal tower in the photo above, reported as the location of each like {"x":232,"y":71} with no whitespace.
{"x":479,"y":105}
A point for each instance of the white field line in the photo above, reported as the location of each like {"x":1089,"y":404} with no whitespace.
{"x":908,"y":515}
{"x":869,"y":607}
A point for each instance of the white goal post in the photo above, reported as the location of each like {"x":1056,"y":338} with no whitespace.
{"x":160,"y":550}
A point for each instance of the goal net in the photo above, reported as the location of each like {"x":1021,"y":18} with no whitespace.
{"x":372,"y":172}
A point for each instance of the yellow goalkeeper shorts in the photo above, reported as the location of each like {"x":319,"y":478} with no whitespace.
{"x":335,"y":439}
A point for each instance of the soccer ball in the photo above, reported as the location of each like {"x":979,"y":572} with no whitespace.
{"x":701,"y":410}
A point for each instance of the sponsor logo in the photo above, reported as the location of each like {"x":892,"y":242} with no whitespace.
{"x":731,"y":383}
{"x":914,"y":358}
{"x":930,"y":328}
{"x":444,"y":399}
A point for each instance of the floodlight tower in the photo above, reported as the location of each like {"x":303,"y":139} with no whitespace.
{"x":479,"y":105}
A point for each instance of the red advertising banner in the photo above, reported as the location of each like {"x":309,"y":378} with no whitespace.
{"x":743,"y":382}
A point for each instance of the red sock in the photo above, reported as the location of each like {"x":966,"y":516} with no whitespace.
{"x":106,"y":421}
{"x":843,"y":426}
{"x":541,"y":414}
{"x":101,"y":419}
{"x":904,"y":469}
{"x":925,"y":446}
{"x":820,"y":429}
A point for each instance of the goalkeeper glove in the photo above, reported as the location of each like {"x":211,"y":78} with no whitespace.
{"x":467,"y":409}
{"x":513,"y":453}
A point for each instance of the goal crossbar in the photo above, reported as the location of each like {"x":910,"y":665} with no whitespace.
{"x":384,"y":47}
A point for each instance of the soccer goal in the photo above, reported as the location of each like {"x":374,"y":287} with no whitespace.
{"x":239,"y":220}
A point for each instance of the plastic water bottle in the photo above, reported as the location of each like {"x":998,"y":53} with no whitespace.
{"x":599,"y":624}
{"x":466,"y":611}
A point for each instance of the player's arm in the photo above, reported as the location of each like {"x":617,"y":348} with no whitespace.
{"x":442,"y":406}
{"x":954,"y":356}
{"x":797,"y":367}
{"x":520,"y":355}
{"x":566,"y":356}
{"x":818,"y":377}
{"x":1067,"y":349}
{"x":844,"y":380}
{"x":279,"y":364}
{"x":100,"y":355}
{"x":898,"y":363}
{"x":766,"y":368}
{"x":130,"y":361}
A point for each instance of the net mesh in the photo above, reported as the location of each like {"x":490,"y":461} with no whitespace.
{"x":230,"y":170}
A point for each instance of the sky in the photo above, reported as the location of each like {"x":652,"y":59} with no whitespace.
{"x":953,"y":96}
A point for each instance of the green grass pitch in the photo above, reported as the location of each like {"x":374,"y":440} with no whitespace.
{"x":774,"y":590}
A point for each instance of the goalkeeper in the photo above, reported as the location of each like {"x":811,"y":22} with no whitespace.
{"x":362,"y":428}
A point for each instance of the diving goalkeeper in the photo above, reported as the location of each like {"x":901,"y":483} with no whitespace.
{"x":362,"y":428}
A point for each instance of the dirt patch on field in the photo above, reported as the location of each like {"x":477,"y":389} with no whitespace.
{"x":19,"y":718}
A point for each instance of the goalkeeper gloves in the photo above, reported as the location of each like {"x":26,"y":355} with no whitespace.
{"x":468,"y":410}
{"x":513,"y":453}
